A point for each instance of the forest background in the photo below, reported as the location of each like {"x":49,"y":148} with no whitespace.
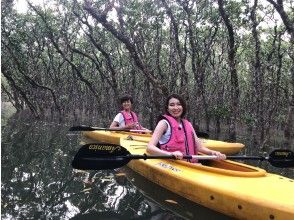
{"x":232,"y":61}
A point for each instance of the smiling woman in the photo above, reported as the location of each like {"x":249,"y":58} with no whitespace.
{"x":126,"y":118}
{"x":173,"y":130}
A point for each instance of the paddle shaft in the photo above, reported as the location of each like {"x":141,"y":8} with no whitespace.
{"x":247,"y":158}
{"x":145,"y":157}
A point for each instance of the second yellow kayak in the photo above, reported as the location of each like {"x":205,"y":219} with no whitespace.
{"x":114,"y":138}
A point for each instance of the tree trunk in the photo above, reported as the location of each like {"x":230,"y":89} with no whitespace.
{"x":234,"y":90}
{"x":289,"y":24}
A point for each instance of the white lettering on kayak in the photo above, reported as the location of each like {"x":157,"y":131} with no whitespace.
{"x":109,"y":148}
{"x":168,"y":166}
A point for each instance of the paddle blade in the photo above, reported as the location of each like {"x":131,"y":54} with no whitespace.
{"x":100,"y":156}
{"x":281,"y":158}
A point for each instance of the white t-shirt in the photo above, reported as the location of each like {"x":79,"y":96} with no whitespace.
{"x":119,"y":118}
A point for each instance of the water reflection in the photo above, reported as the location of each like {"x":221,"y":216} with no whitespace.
{"x":37,"y":181}
{"x":170,"y":200}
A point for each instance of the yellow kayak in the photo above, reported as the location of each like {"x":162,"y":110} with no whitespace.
{"x":114,"y":138}
{"x":235,"y":189}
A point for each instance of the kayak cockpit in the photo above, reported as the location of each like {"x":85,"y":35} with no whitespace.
{"x":227,"y":167}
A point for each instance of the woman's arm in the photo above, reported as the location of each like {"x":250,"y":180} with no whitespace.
{"x":118,"y":120}
{"x":161,"y":127}
{"x":207,"y":151}
{"x":114,"y":124}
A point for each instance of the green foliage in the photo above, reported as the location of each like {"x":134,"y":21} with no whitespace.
{"x":248,"y":119}
{"x":220,"y":112}
{"x":65,"y":49}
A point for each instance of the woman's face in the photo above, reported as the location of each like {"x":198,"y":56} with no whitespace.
{"x":127,"y":105}
{"x":175,"y":108}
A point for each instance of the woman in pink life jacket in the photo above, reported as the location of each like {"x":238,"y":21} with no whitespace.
{"x":175,"y":135}
{"x":126,"y":118}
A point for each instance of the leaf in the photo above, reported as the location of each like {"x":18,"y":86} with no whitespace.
{"x":86,"y":190}
{"x":171,"y":201}
{"x":120,"y":174}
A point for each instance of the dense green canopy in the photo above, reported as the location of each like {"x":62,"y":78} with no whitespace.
{"x":233,"y":61}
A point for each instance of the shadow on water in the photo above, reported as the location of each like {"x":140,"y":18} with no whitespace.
{"x":170,"y":200}
{"x":38,"y":182}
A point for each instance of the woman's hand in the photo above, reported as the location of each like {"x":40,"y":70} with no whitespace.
{"x":219,"y":155}
{"x":132,"y":125}
{"x":178,"y":155}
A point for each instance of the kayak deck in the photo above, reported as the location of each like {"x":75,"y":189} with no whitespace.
{"x":232,"y":188}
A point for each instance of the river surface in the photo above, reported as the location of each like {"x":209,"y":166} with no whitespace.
{"x":38,"y":182}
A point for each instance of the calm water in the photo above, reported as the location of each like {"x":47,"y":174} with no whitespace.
{"x":38,"y":182}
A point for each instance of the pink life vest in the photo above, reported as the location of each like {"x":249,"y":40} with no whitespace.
{"x":181,"y":139}
{"x":131,"y":118}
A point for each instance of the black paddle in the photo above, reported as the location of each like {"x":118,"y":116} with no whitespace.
{"x":103,"y":156}
{"x":88,"y":128}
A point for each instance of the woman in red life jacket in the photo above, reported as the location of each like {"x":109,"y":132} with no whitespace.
{"x":175,"y":135}
{"x":126,"y":118}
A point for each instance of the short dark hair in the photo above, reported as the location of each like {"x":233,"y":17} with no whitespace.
{"x":126,"y":98}
{"x":182,"y":101}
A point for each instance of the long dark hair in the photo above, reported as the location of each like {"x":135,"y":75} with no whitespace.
{"x":182,"y":101}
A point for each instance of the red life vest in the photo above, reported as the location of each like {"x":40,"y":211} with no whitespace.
{"x":131,"y":118}
{"x":181,"y":139}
